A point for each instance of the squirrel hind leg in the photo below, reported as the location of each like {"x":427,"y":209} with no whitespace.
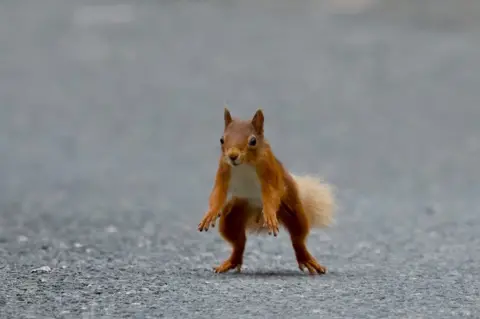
{"x":232,"y":228}
{"x":298,"y":228}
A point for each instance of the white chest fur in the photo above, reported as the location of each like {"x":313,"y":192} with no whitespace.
{"x":244,"y":183}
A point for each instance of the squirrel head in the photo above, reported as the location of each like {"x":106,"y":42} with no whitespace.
{"x":242,"y":140}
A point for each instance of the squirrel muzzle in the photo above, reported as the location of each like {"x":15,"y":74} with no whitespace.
{"x":234,"y":157}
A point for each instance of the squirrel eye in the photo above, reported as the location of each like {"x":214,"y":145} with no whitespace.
{"x":222,"y":140}
{"x":252,"y":141}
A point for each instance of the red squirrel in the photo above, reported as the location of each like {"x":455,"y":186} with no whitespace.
{"x":263,"y":195}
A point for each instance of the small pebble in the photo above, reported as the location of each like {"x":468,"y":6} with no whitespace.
{"x":22,"y":239}
{"x":42,"y":269}
{"x":62,"y":245}
{"x":149,"y":229}
{"x":111,"y":229}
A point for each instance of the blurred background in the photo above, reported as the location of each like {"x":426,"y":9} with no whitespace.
{"x":111,"y":113}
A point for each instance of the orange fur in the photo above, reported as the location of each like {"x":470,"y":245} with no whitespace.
{"x":264,"y":195}
{"x":217,"y":196}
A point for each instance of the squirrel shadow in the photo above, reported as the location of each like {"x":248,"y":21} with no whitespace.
{"x":274,"y":274}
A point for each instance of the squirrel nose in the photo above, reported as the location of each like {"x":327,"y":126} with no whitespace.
{"x":233,"y":157}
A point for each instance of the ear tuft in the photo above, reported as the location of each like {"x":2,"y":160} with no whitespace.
{"x":227,"y":117}
{"x":257,"y":121}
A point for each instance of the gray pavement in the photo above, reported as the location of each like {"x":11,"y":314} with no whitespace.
{"x":109,"y":124}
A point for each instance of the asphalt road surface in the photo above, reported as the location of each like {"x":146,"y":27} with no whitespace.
{"x":110,"y":116}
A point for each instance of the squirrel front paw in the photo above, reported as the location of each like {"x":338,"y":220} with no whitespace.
{"x":207,"y":221}
{"x":271,"y":223}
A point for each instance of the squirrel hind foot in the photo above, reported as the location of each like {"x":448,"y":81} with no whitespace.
{"x":226,"y":266}
{"x":313,"y":267}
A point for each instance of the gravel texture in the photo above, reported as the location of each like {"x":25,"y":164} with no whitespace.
{"x":110,"y":117}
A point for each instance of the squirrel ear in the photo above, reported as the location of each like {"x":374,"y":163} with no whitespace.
{"x":257,"y":121}
{"x":227,"y":117}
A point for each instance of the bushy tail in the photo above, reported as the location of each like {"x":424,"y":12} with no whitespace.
{"x":318,"y":200}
